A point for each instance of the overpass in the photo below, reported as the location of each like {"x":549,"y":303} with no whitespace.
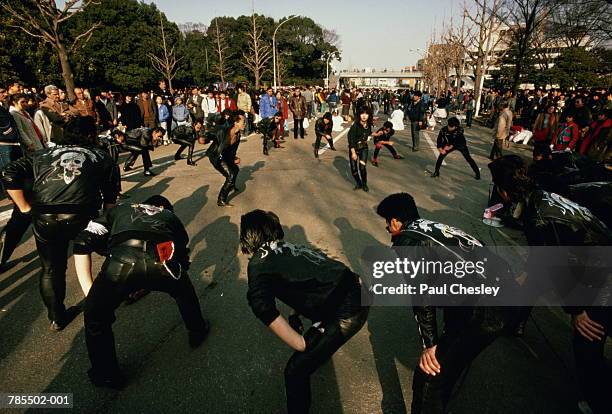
{"x":378,"y":79}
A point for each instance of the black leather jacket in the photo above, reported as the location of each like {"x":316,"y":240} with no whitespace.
{"x":8,"y":129}
{"x":267,"y":126}
{"x":384,"y":137}
{"x":455,"y":138}
{"x":426,"y":233}
{"x":305,"y":279}
{"x":552,"y":220}
{"x":321,"y":128}
{"x":135,"y":221}
{"x":358,"y":136}
{"x":67,"y":179}
{"x":220,"y":148}
{"x":140,"y":137}
{"x":596,"y":196}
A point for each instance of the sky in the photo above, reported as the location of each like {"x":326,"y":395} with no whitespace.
{"x":373,"y":33}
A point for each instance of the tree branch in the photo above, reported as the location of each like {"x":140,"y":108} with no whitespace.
{"x":85,"y":35}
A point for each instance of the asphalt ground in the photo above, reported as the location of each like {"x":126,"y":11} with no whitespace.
{"x":239,"y":368}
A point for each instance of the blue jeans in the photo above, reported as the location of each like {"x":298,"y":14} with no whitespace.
{"x":5,"y":155}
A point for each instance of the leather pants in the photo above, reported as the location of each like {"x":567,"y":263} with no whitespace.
{"x":230,"y":172}
{"x":126,"y":270}
{"x":466,"y":154}
{"x":53,"y":234}
{"x":318,"y":142}
{"x":184,"y":144}
{"x":457,"y":347}
{"x":135,"y":151}
{"x":319,"y":349}
{"x":358,"y":167}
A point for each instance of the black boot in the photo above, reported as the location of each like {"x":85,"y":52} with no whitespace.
{"x":190,"y":156}
{"x":265,"y":151}
{"x":435,"y":174}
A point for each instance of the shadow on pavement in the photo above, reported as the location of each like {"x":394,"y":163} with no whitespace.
{"x":341,"y":165}
{"x":15,"y":323}
{"x":389,"y":327}
{"x":189,"y":207}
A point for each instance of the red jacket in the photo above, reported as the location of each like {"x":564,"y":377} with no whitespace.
{"x":595,"y":131}
{"x":567,"y":136}
{"x":283,"y":107}
{"x":225,"y":104}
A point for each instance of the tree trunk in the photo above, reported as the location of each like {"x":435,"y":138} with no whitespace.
{"x":478,"y":86}
{"x":66,"y":69}
{"x":518,"y":67}
{"x":257,"y":77}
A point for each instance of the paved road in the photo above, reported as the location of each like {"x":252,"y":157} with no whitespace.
{"x":239,"y":368}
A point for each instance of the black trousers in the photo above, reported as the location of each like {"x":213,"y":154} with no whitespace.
{"x":318,"y":142}
{"x":230,"y":172}
{"x":358,"y":167}
{"x":457,"y":348}
{"x":134,"y":153}
{"x":594,"y":377}
{"x":126,"y":270}
{"x":319,"y":348}
{"x":387,"y":146}
{"x":469,"y":116}
{"x":271,"y":137}
{"x":415,"y":132}
{"x":466,"y":154}
{"x":183,"y":144}
{"x":53,"y":234}
{"x":13,"y":233}
{"x":298,"y":124}
{"x":496,"y":150}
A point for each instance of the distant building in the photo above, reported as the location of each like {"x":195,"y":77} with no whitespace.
{"x":407,"y":77}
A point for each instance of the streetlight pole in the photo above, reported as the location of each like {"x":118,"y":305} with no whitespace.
{"x":274,"y":47}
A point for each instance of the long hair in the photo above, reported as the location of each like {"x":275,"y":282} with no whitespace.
{"x":258,"y":227}
{"x":364,"y":110}
{"x":553,"y":120}
{"x":509,"y":174}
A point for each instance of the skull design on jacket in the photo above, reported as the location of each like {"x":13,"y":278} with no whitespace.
{"x":71,"y":162}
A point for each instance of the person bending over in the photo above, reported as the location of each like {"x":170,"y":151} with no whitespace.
{"x":451,"y":139}
{"x":315,"y":286}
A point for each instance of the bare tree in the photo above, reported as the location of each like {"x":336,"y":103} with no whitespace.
{"x":166,"y":64}
{"x":331,"y":36}
{"x":259,"y":52}
{"x":524,"y":19}
{"x":220,"y":66}
{"x":483,"y":50}
{"x":43,"y":20}
{"x":581,"y":23}
{"x":281,"y":67}
{"x":440,"y":58}
{"x":457,"y":40}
